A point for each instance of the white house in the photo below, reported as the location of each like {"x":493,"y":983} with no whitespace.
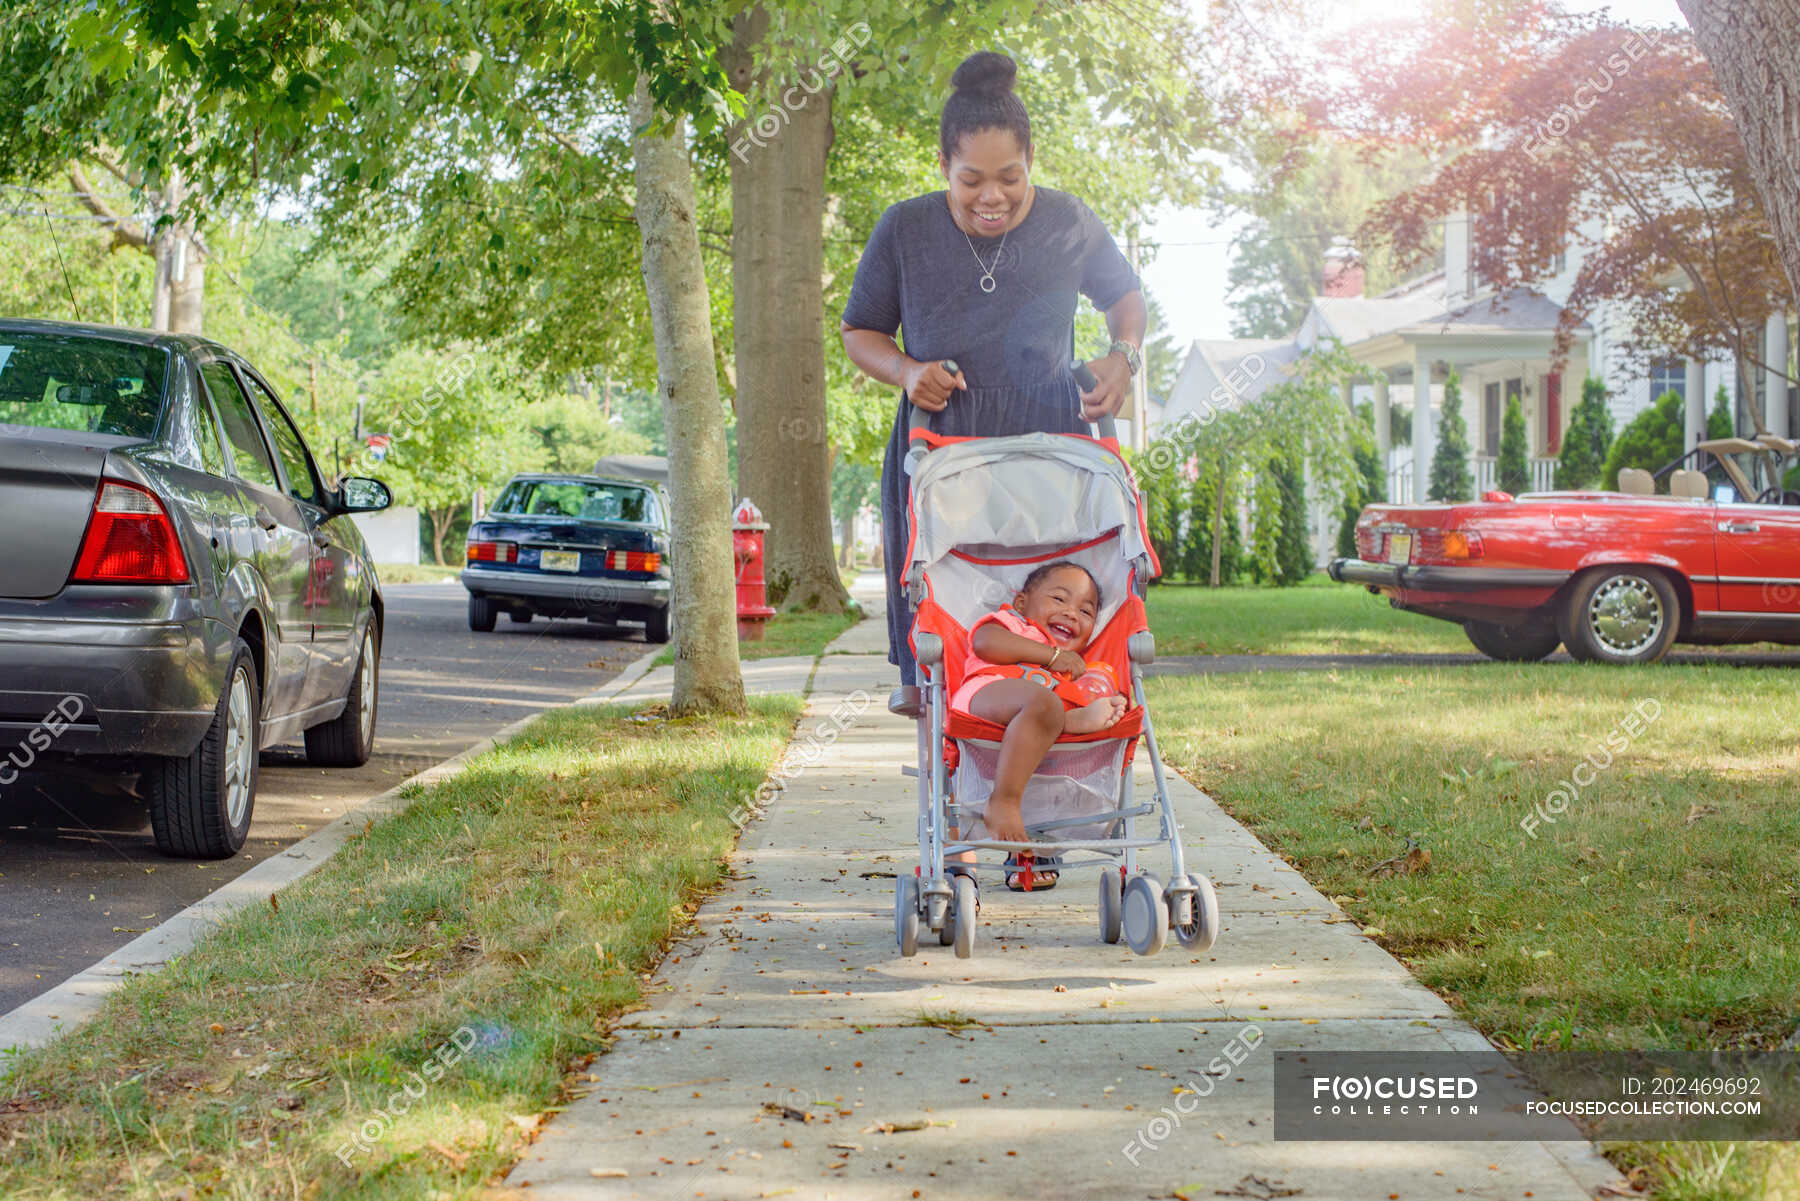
{"x":1500,"y":346}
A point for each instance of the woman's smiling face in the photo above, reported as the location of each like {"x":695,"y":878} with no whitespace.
{"x":990,"y":181}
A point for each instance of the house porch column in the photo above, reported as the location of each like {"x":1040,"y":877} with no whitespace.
{"x":1383,"y":421}
{"x":1775,"y":354}
{"x":1696,"y":403}
{"x":1424,"y":439}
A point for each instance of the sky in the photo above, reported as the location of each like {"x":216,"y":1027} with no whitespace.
{"x":1194,"y":255}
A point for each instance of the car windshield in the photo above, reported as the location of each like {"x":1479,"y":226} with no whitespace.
{"x":575,"y":498}
{"x":81,"y":382}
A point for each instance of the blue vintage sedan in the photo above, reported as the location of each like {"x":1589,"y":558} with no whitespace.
{"x":565,"y":545}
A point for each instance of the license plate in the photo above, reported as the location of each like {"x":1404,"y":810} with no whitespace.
{"x":1399,"y":548}
{"x":560,"y":560}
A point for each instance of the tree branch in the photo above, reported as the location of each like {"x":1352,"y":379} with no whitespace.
{"x":125,"y":232}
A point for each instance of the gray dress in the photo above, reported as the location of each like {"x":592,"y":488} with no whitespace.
{"x":1014,"y":344}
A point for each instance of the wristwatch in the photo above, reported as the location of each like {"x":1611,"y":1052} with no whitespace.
{"x":1132,"y":359}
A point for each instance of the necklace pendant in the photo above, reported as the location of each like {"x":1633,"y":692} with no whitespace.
{"x":987,"y":283}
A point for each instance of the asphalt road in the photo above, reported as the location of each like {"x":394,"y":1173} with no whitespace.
{"x":80,"y":875}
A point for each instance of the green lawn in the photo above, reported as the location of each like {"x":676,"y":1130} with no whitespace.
{"x":417,"y":573}
{"x":1317,"y":617}
{"x":1658,"y":909}
{"x":472,"y":949}
{"x":787,"y":634}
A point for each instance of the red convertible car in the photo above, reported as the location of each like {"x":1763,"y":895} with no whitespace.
{"x":1713,"y":557}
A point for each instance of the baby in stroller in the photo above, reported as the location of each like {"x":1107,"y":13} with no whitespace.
{"x":1046,"y":626}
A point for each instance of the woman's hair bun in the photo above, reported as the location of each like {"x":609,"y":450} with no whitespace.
{"x":985,"y":71}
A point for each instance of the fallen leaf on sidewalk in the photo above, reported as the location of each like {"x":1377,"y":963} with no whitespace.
{"x":902,"y":1126}
{"x":786,"y":1111}
{"x":1257,"y":1187}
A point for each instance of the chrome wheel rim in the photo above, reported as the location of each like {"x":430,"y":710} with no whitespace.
{"x":240,"y":748}
{"x":366,"y":670}
{"x":1626,"y":614}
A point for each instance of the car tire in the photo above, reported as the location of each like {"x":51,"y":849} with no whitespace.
{"x":520,"y":617}
{"x":348,"y":739}
{"x":201,"y":803}
{"x":1620,"y":615}
{"x":656,"y":624}
{"x":1512,"y":644}
{"x":481,"y":614}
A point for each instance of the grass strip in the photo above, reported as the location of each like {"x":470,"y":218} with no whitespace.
{"x":787,"y":634}
{"x":397,"y":1024}
{"x":417,"y":573}
{"x":1318,"y":617}
{"x":1655,"y":907}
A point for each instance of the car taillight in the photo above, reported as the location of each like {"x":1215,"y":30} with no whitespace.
{"x":493,"y":552}
{"x":1449,"y":546}
{"x":633,"y":560}
{"x":129,"y":540}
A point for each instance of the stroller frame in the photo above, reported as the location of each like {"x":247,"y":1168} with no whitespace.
{"x":940,"y":896}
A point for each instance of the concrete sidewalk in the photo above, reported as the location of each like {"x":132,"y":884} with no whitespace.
{"x":1024,"y":1071}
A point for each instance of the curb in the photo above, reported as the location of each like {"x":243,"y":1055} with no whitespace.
{"x":75,"y":1001}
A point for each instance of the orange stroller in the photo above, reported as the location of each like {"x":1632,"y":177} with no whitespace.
{"x":983,"y":513}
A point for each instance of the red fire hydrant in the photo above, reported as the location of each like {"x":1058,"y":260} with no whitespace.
{"x":753,"y":609}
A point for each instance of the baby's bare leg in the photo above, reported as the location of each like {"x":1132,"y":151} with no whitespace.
{"x":1033,"y":717}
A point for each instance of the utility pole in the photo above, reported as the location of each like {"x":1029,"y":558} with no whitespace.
{"x":312,"y":385}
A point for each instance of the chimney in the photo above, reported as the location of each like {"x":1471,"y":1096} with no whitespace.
{"x":1343,"y":271}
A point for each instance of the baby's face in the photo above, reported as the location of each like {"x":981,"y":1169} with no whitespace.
{"x":1064,"y":604}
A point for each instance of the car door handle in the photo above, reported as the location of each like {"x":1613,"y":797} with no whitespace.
{"x":266,"y":519}
{"x":1738,"y":527}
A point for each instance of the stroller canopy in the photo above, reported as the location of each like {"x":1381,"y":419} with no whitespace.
{"x":987,"y":511}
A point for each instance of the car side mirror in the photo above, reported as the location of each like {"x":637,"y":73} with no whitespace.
{"x":360,"y":494}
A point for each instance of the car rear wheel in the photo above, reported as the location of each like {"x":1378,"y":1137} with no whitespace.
{"x":481,"y":613}
{"x":1620,"y":615}
{"x":348,"y":739}
{"x":1512,"y":644}
{"x":200,"y":804}
{"x":656,"y":624}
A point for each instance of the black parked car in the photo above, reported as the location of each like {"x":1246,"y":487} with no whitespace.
{"x":179,"y":587}
{"x":586,"y":546}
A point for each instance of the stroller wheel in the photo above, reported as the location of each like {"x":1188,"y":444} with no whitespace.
{"x":1111,"y":892}
{"x":1146,"y":915}
{"x":906,"y":914}
{"x":1194,"y":916}
{"x":964,"y":911}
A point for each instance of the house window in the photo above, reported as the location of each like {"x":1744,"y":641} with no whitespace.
{"x":1668,"y":375}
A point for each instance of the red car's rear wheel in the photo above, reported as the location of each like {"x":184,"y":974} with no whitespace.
{"x":1620,"y":615}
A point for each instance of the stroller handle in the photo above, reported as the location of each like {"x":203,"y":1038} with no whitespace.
{"x":920,"y":419}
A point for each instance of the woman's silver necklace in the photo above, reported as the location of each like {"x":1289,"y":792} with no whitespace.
{"x":987,"y":272}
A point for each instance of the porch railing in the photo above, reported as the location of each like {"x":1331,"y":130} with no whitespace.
{"x":1400,"y":474}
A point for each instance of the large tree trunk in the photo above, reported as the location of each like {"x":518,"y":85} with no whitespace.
{"x":178,"y":286}
{"x":1754,"y":47}
{"x":778,"y":318}
{"x":707,"y":678}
